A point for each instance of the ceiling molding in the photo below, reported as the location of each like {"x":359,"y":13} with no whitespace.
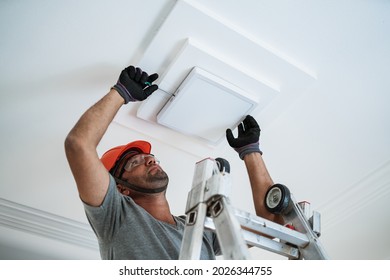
{"x":370,"y":188}
{"x":44,"y":224}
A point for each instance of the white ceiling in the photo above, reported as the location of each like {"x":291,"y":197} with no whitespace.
{"x":329,"y":144}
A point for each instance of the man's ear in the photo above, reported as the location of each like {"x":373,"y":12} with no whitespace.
{"x":123,"y":190}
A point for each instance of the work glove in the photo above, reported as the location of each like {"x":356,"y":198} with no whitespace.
{"x":135,"y":85}
{"x":248,"y":137}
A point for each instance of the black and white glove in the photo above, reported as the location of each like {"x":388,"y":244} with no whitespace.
{"x":135,"y":85}
{"x":248,"y":137}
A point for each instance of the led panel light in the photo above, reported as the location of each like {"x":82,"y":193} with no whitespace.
{"x":204,"y":106}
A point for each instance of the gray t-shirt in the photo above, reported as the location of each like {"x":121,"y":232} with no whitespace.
{"x":126,"y":231}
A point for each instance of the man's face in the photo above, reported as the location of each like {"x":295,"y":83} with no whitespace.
{"x":144,"y":170}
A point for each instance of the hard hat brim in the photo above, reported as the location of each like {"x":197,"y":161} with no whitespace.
{"x":110,"y":157}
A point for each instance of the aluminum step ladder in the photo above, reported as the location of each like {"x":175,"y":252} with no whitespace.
{"x":209,"y":208}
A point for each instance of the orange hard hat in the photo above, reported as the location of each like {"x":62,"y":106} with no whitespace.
{"x":110,"y":157}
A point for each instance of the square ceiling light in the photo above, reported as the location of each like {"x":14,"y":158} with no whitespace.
{"x":204,"y":106}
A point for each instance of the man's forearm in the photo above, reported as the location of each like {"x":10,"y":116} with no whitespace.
{"x":92,"y":125}
{"x":260,"y":181}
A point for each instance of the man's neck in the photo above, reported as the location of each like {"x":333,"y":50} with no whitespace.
{"x":157,"y":206}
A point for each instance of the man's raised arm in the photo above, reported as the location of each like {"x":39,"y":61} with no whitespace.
{"x":91,"y":177}
{"x":247,"y":146}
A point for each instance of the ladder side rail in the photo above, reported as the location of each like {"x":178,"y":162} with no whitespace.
{"x":193,"y":233}
{"x":228,"y":229}
{"x":314,"y":250}
{"x":196,"y":211}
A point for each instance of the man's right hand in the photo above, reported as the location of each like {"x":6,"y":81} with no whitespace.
{"x":135,"y":85}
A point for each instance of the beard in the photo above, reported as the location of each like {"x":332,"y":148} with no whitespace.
{"x":157,"y":176}
{"x":154,"y":180}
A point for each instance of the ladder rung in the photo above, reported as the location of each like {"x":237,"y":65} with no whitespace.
{"x":274,"y":246}
{"x":254,"y":239}
{"x":266,"y":227}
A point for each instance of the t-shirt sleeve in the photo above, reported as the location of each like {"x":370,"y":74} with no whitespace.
{"x":105,"y":219}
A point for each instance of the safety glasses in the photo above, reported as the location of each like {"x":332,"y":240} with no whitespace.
{"x":137,"y":160}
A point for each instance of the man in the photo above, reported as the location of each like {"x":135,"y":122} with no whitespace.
{"x":124,"y":192}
